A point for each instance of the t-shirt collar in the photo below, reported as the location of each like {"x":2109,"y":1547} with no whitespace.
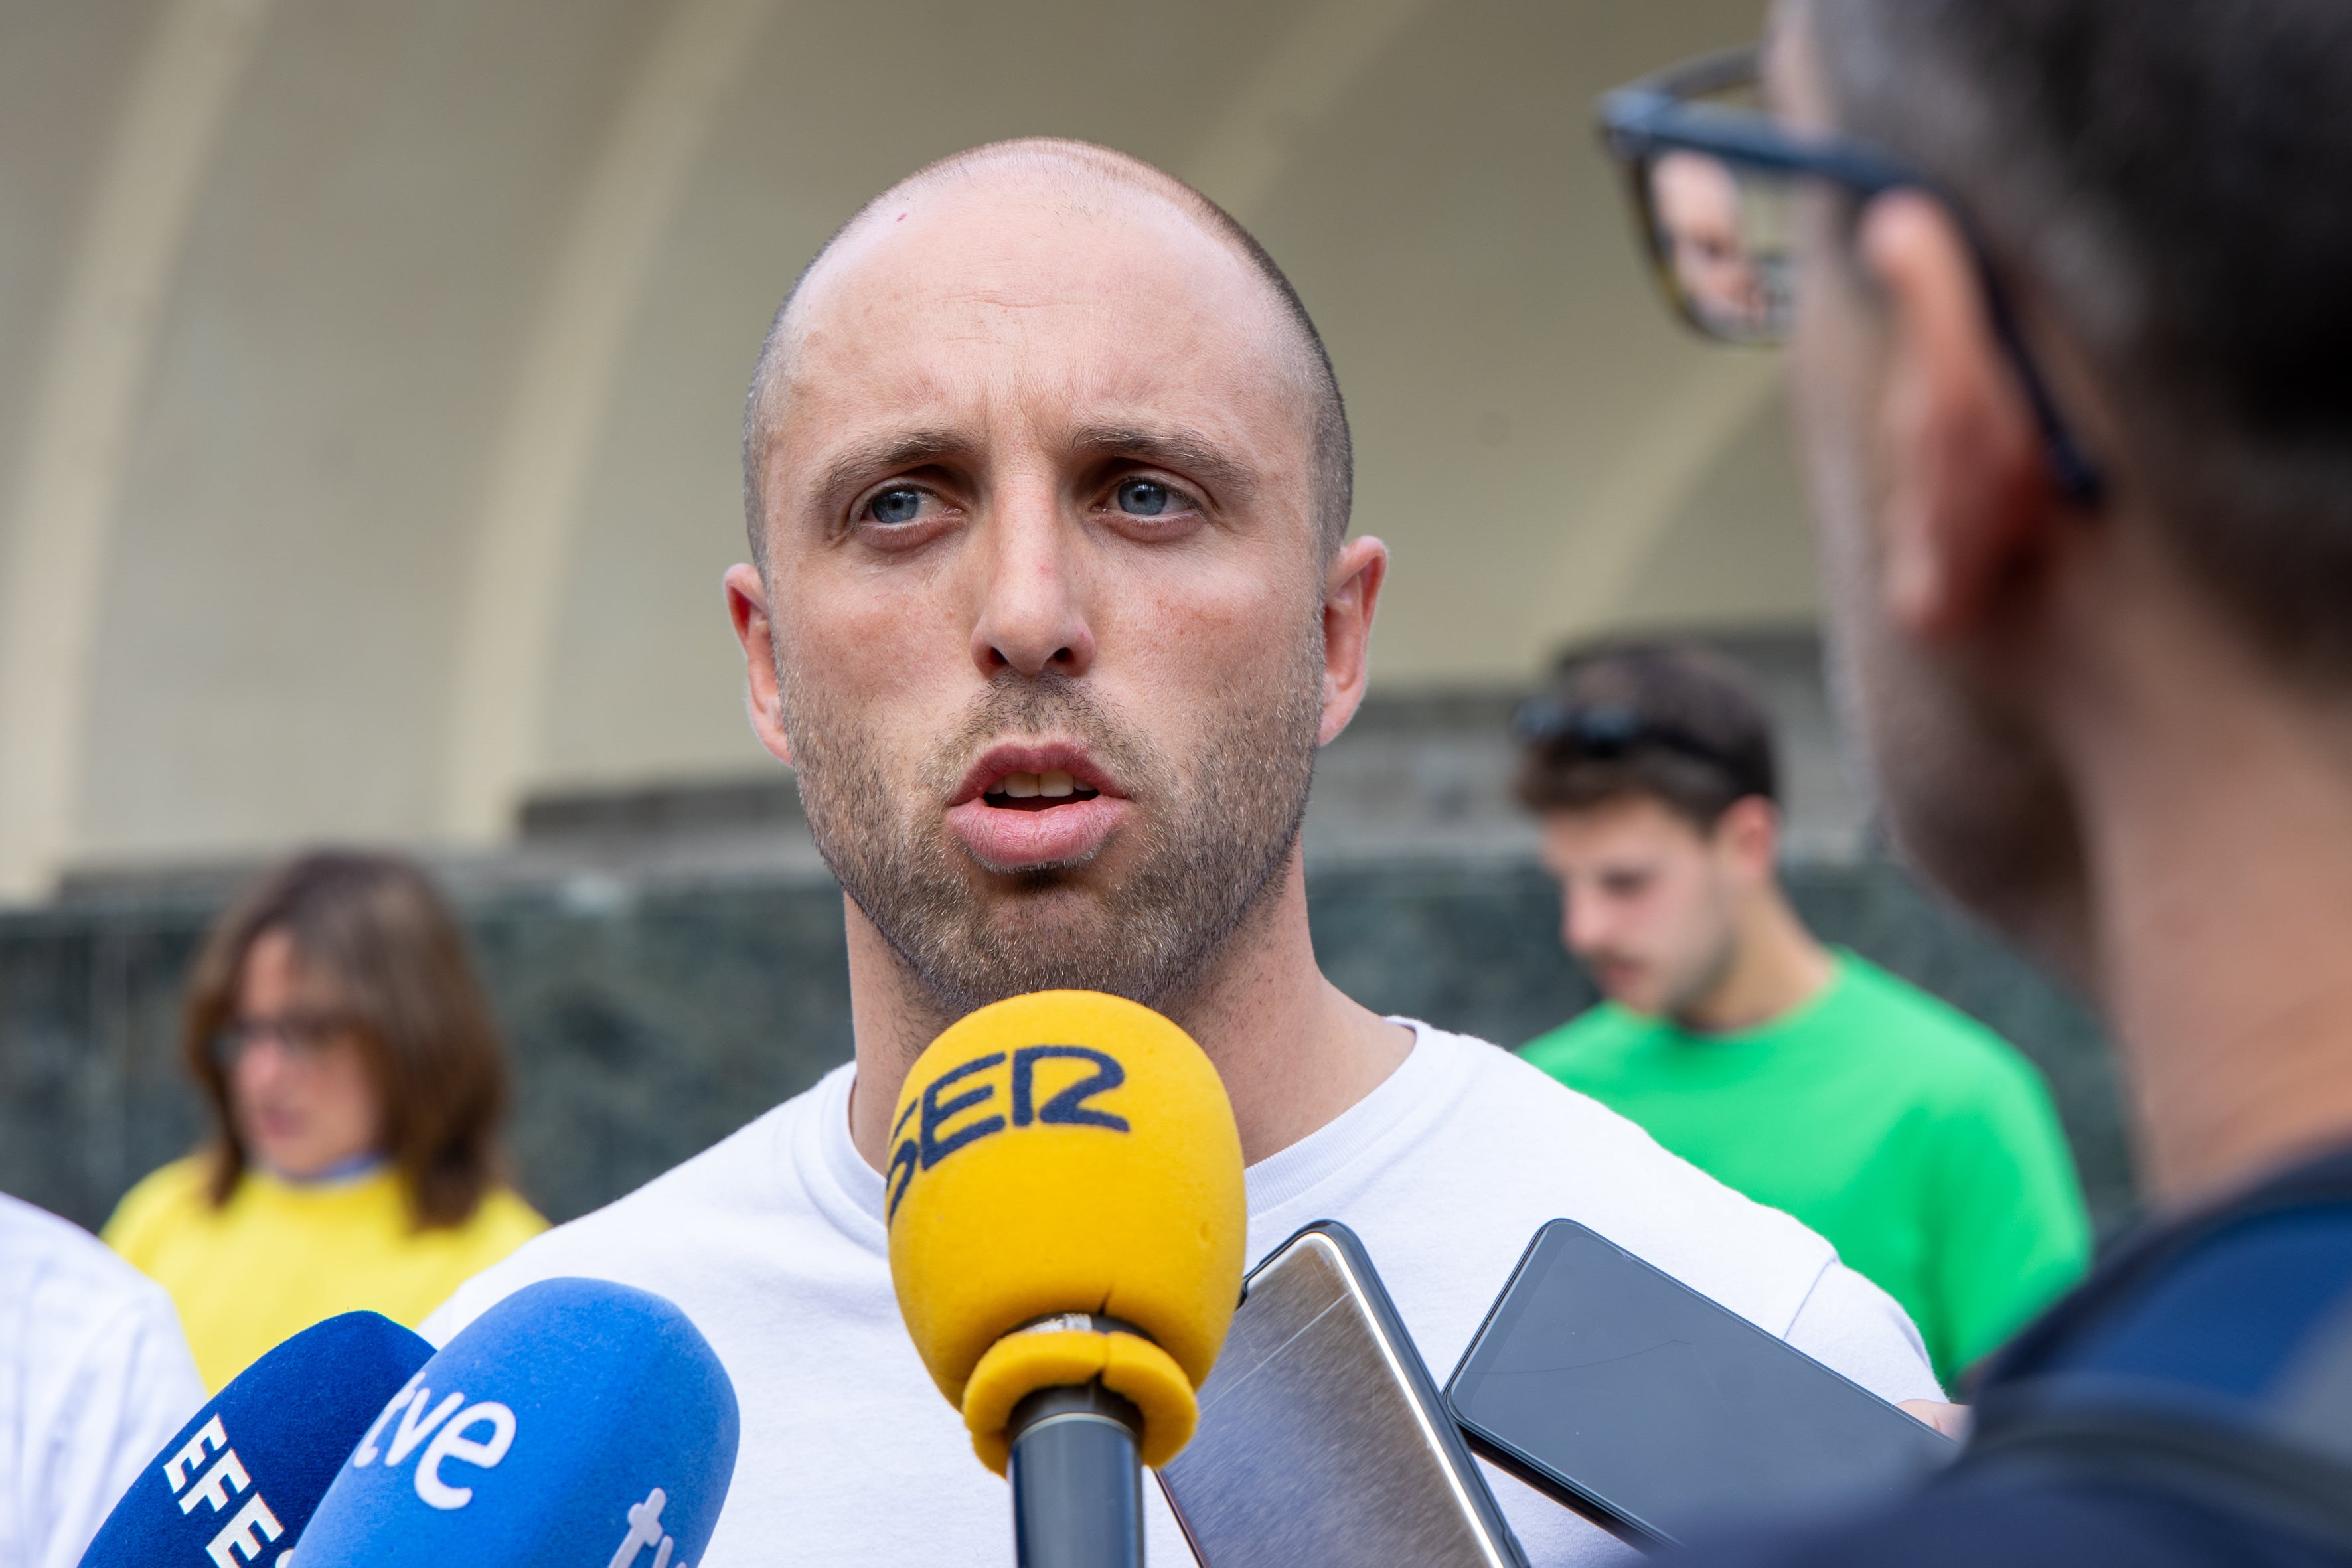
{"x":850,"y":1191}
{"x":348,"y":1173}
{"x":1413,"y":1091}
{"x":1790,"y":1024}
{"x":838,"y":1179}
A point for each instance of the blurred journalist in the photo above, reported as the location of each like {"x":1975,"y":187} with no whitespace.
{"x":2063,"y":282}
{"x":347,"y":1053}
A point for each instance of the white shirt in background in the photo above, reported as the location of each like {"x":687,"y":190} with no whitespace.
{"x":772,"y":1242}
{"x":94,"y":1375}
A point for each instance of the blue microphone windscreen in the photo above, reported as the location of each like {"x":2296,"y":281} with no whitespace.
{"x":576,"y":1422}
{"x":240,"y":1481}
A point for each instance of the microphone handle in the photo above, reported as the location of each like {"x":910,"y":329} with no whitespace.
{"x":1077,"y":1481}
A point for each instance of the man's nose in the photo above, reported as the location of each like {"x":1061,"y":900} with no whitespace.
{"x":1583,"y":922}
{"x":261,"y":1067}
{"x":1031,"y":620}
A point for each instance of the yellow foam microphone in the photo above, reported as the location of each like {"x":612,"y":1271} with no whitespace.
{"x":1066,"y":1226}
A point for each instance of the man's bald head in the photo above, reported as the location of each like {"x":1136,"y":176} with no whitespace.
{"x":1087,"y":176}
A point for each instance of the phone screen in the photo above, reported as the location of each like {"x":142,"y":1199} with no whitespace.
{"x":1656,"y":1412}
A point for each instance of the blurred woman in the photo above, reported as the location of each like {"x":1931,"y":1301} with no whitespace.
{"x":356,"y":1084}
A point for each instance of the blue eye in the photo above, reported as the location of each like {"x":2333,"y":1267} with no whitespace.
{"x":1144,"y":497}
{"x":899,"y":505}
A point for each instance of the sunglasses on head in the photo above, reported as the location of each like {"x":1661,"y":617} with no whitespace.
{"x":1606,"y":731}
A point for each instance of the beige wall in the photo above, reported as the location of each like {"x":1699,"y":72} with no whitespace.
{"x":370,"y":369}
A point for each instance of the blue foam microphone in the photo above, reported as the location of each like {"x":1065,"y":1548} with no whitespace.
{"x":577,"y":1422}
{"x":236,"y":1484}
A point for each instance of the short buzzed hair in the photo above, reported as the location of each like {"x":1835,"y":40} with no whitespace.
{"x":2170,"y":176}
{"x":1334,"y":466}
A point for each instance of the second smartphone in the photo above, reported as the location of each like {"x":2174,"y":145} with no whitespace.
{"x":1657,"y":1413}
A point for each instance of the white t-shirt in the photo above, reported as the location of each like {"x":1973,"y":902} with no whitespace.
{"x":772,"y":1242}
{"x":94,"y":1376}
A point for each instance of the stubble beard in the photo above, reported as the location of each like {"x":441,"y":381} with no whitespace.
{"x":1205,"y":844}
{"x":1968,"y":794}
{"x":1702,"y":980}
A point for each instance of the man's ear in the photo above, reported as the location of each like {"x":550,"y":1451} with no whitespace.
{"x":1968,"y":506}
{"x":1351,"y":592}
{"x":1749,"y":835}
{"x":747,"y":607}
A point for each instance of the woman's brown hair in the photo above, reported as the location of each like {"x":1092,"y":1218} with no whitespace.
{"x":374,"y":928}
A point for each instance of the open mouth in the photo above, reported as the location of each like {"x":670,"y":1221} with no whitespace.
{"x":1027,"y":805}
{"x":1036,"y":791}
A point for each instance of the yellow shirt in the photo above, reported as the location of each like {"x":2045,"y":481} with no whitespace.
{"x":277,"y":1256}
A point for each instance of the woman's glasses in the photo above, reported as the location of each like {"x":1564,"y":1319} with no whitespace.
{"x":1716,"y":184}
{"x":303,"y":1037}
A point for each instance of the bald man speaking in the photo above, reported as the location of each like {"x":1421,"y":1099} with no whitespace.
{"x":1051,"y":605}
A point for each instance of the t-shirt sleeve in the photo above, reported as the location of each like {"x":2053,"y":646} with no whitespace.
{"x":466,"y":1303}
{"x":501,"y":1226}
{"x":1551,"y":1053}
{"x":486,"y":1288}
{"x":1852,"y":1326}
{"x":503,"y":1222}
{"x":2013,"y":1232}
{"x":1570,"y":1052}
{"x":122,"y":1391}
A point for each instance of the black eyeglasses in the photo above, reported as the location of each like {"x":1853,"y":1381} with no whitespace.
{"x":1715,"y":186}
{"x":302,"y":1036}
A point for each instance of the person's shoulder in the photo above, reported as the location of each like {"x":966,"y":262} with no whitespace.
{"x":62,"y":1274}
{"x":1524,"y":1140}
{"x":92,"y":1351}
{"x":31,"y":1240}
{"x":161,"y":1198}
{"x":1876,"y":991}
{"x":1939,"y":1041}
{"x":1599,"y":1032}
{"x":1497,"y":1081}
{"x":693,"y":1210}
{"x":1500,"y":1089}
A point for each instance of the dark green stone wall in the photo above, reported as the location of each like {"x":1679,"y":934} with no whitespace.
{"x":648,"y":1022}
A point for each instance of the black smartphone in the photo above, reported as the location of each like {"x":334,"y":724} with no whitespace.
{"x":1655,"y":1413}
{"x":1322,"y":1439}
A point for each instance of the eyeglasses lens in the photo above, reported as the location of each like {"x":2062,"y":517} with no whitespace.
{"x":1724,"y":237}
{"x":300,"y":1036}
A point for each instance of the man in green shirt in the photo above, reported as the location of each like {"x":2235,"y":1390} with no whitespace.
{"x":1920,"y":1143}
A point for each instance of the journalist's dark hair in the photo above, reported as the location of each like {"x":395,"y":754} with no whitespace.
{"x":373,"y":929}
{"x":2170,"y":182}
{"x":1683,"y":690}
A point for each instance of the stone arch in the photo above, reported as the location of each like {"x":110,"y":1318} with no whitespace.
{"x":530,"y":503}
{"x":100,"y":353}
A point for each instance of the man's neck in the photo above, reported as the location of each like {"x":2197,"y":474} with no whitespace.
{"x":1293,"y":1051}
{"x":2218,"y":818}
{"x":1777,"y":967}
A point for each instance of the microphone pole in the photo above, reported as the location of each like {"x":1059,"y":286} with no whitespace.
{"x":1077,"y":1478}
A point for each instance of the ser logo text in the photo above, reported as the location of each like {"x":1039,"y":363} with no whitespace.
{"x":960,"y":1106}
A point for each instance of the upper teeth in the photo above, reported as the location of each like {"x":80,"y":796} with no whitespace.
{"x":1053,"y":783}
